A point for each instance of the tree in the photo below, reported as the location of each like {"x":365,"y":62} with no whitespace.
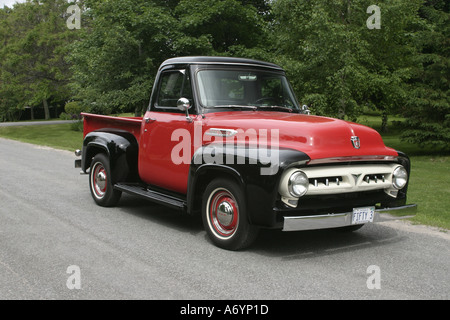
{"x":117,"y":56}
{"x":392,"y":58}
{"x":428,"y":106}
{"x":12,"y":89}
{"x":338,"y":65}
{"x":225,"y":23}
{"x":33,"y":70}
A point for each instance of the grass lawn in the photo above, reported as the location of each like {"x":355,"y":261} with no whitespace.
{"x":430,"y":172}
{"x":428,"y":187}
{"x":59,"y":136}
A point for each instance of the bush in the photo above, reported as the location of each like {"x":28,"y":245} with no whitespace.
{"x":65,"y":116}
{"x":74,"y":109}
{"x":77,"y":125}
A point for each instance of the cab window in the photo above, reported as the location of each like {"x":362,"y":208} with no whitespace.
{"x":173,"y":85}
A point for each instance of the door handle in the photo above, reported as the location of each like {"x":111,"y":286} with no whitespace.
{"x":147,"y":120}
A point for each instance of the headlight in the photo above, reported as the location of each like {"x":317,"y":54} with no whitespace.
{"x":399,"y":178}
{"x":298,"y":184}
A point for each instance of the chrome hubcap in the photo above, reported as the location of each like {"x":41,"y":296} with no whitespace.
{"x":223,"y":213}
{"x":101,"y":180}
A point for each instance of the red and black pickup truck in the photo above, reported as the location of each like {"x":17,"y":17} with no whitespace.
{"x":226,"y":138}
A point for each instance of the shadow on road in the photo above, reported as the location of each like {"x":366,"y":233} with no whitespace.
{"x":273,"y":243}
{"x":316,"y":243}
{"x":160,"y":214}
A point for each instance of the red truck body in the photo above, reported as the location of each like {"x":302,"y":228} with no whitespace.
{"x":92,"y":122}
{"x":309,"y":134}
{"x":212,"y":158}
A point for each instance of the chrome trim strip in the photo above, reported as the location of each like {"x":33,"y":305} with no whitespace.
{"x":301,"y":223}
{"x":219,"y":132}
{"x":352,"y":159}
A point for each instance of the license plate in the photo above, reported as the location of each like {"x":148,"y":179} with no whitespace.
{"x":363,"y":215}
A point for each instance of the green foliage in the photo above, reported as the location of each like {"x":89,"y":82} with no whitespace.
{"x":116,"y":59}
{"x":428,"y":105}
{"x":226,"y":23}
{"x":74,"y":109}
{"x":337,"y":64}
{"x":34,"y":39}
{"x":113,"y":63}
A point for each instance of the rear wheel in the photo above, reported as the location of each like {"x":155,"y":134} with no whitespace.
{"x":101,"y":182}
{"x":225,"y":217}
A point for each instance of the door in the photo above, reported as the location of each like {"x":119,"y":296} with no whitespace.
{"x":166,"y":137}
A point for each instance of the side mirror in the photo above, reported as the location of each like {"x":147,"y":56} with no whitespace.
{"x":184,"y":105}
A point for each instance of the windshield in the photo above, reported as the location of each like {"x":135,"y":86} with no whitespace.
{"x":241,"y":88}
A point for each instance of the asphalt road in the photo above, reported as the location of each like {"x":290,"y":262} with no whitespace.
{"x":54,"y":238}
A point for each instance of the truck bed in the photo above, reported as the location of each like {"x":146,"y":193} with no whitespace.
{"x":94,"y":122}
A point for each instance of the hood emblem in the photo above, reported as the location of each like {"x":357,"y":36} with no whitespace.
{"x":356,"y":177}
{"x":356,"y":142}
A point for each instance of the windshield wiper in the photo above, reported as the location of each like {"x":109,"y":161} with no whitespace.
{"x":234,"y":106}
{"x":275,"y":107}
{"x":251,"y":107}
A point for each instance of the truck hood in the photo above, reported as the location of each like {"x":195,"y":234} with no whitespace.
{"x":318,"y":137}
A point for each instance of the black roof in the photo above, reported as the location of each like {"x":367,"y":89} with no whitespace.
{"x":219,"y":60}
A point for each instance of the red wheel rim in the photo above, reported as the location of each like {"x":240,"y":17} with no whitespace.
{"x":223,"y":213}
{"x":99,"y":180}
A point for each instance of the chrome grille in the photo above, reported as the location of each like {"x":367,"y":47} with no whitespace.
{"x":344,"y":179}
{"x":326,"y":181}
{"x":374,"y":178}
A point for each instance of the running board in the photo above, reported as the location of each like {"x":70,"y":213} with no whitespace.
{"x":151,"y":195}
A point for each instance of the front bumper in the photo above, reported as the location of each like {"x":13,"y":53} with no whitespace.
{"x":337,"y":220}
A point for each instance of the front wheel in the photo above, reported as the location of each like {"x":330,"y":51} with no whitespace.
{"x":101,"y":182}
{"x":224,"y":215}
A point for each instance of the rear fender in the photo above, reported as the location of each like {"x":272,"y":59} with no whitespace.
{"x":121,"y":148}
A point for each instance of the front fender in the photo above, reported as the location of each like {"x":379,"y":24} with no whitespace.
{"x":250,"y":168}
